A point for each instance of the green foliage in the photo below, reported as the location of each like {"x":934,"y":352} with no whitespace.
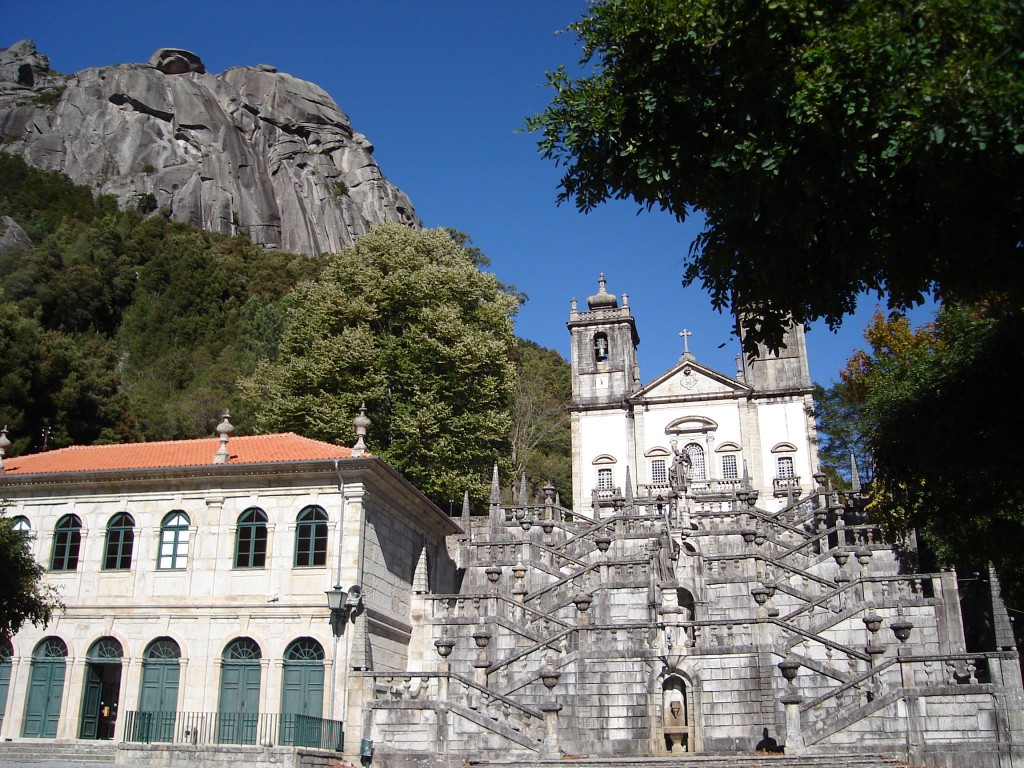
{"x":405,"y":322}
{"x":23,"y":595}
{"x":838,"y":416}
{"x":117,"y":328}
{"x":944,"y":464}
{"x":40,"y":200}
{"x":832,"y":148}
{"x":540,"y":438}
{"x":339,"y":189}
{"x":48,"y":97}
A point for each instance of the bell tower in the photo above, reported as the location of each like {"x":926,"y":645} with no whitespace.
{"x":604,"y":342}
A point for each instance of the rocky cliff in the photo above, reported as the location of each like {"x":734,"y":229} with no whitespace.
{"x":251,"y":150}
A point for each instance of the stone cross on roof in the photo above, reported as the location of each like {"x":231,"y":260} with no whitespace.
{"x":687,"y":355}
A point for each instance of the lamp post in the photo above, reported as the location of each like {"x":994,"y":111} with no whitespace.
{"x":335,"y":600}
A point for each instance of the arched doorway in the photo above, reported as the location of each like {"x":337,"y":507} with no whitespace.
{"x":302,"y":693}
{"x":45,"y":689}
{"x":239,"y":708}
{"x":158,"y":693}
{"x":101,"y":690}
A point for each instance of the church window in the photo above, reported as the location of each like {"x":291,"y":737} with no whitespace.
{"x":698,"y":470}
{"x":311,"y":537}
{"x":784,"y":466}
{"x":120,"y":542}
{"x":251,"y":539}
{"x":67,"y":540}
{"x":174,"y":535}
{"x":659,"y":475}
{"x":601,"y":347}
{"x":604,"y":479}
{"x":729,"y":469}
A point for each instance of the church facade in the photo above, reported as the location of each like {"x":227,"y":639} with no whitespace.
{"x":707,"y":593}
{"x":721,"y":432}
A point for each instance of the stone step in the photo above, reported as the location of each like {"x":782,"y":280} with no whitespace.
{"x":52,"y":751}
{"x":704,"y":761}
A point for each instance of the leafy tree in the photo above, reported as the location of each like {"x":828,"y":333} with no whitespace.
{"x":540,"y":438}
{"x":23,"y":595}
{"x":832,"y":148}
{"x":404,"y":321}
{"x":840,"y":434}
{"x":938,"y":407}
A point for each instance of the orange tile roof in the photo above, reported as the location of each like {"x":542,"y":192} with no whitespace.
{"x":254,"y":449}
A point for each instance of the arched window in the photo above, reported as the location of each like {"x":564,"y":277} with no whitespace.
{"x":120,"y":542}
{"x":698,"y":470}
{"x":311,"y":537}
{"x":67,"y":540}
{"x":601,"y":347}
{"x":174,"y":534}
{"x":251,"y":539}
{"x":21,"y":525}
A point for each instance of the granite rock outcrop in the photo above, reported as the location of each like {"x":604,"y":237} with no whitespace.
{"x":249,"y":151}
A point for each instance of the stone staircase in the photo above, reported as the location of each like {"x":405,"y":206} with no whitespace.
{"x":28,"y":751}
{"x":707,"y":761}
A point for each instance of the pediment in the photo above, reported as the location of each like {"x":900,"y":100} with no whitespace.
{"x":689,"y":380}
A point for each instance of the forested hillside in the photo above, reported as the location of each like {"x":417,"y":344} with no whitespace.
{"x":122,"y":325}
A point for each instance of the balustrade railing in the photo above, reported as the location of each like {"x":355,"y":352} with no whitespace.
{"x":262,"y":729}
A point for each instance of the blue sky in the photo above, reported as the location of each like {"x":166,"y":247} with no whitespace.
{"x":442,"y":90}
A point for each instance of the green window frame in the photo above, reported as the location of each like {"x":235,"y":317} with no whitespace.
{"x":251,"y":539}
{"x":117,"y":552}
{"x":174,"y":536}
{"x":311,"y":537}
{"x":67,"y":542}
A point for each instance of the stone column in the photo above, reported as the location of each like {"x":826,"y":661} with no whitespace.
{"x":794,"y":732}
{"x":17,"y":695}
{"x":551,"y":708}
{"x":71,"y":701}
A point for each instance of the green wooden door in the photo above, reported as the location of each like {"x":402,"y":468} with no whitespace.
{"x":302,"y":693}
{"x":238,"y":712}
{"x":302,"y":703}
{"x":46,"y":688}
{"x":5,"y":683}
{"x":158,"y":699}
{"x":91,"y":696}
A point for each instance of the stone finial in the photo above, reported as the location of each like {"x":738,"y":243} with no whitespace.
{"x":629,"y":488}
{"x":361,"y":422}
{"x":495,"y":499}
{"x":224,"y":431}
{"x":4,"y":445}
{"x":855,"y":485}
{"x":420,"y":584}
{"x":524,"y":494}
{"x":602,"y":299}
{"x":685,"y":335}
{"x":465,"y":511}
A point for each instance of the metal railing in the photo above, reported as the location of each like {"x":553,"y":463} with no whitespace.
{"x":262,"y":729}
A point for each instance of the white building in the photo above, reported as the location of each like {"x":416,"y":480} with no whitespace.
{"x":625,"y":433}
{"x":195,"y":582}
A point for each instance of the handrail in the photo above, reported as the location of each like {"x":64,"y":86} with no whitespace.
{"x":468,"y":682}
{"x":257,"y":728}
{"x":498,"y":596}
